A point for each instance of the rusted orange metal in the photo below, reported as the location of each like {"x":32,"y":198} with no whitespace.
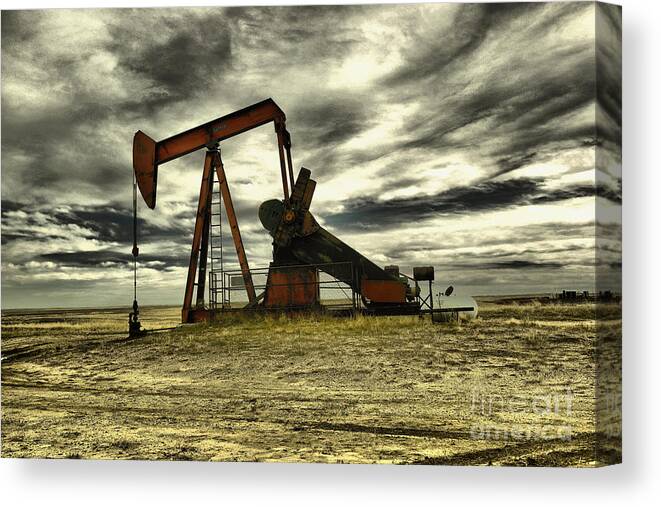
{"x":204,"y":247}
{"x":296,"y":210}
{"x":202,"y":210}
{"x":144,"y":165}
{"x":291,"y":287}
{"x":234,"y":227}
{"x":383,"y":291}
{"x":216,"y":130}
{"x":149,"y":154}
{"x":198,"y":315}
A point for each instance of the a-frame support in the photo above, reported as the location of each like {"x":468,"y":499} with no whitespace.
{"x":200,"y":246}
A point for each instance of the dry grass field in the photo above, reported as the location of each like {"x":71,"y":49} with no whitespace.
{"x":513,"y":387}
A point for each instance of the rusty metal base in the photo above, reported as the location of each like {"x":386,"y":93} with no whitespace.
{"x":193,"y":315}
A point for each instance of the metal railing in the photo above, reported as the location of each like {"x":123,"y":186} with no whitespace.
{"x":227,"y":289}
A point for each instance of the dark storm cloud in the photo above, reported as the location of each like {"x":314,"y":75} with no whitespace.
{"x":398,"y":182}
{"x":519,"y":101}
{"x":487,"y":259}
{"x":178,"y":67}
{"x":471,"y":26}
{"x":521,"y":112}
{"x":105,"y":258}
{"x":576,"y":191}
{"x":367,"y":212}
{"x":509,"y":164}
{"x":609,"y":71}
{"x":533,"y":247}
{"x":175,"y":57}
{"x":57,"y":147}
{"x":110,"y":224}
{"x":162,"y":57}
{"x":296,"y":35}
{"x":541,"y":240}
{"x":495,"y":88}
{"x":105,"y":223}
{"x":488,"y":195}
{"x":330,"y":122}
{"x":609,"y":93}
{"x":321,"y":125}
{"x":514,"y":264}
{"x":10,"y":237}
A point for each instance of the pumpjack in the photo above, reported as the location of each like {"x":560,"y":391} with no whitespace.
{"x":301,"y":247}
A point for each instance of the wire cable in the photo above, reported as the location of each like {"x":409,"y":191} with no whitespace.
{"x":135,"y":238}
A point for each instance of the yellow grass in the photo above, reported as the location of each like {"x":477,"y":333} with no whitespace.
{"x":310,"y":388}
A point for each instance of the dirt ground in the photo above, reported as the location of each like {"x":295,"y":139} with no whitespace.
{"x":513,"y":387}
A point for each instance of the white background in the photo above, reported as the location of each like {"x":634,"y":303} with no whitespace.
{"x":62,"y":482}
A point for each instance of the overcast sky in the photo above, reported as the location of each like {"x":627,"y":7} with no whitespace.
{"x":457,"y":135}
